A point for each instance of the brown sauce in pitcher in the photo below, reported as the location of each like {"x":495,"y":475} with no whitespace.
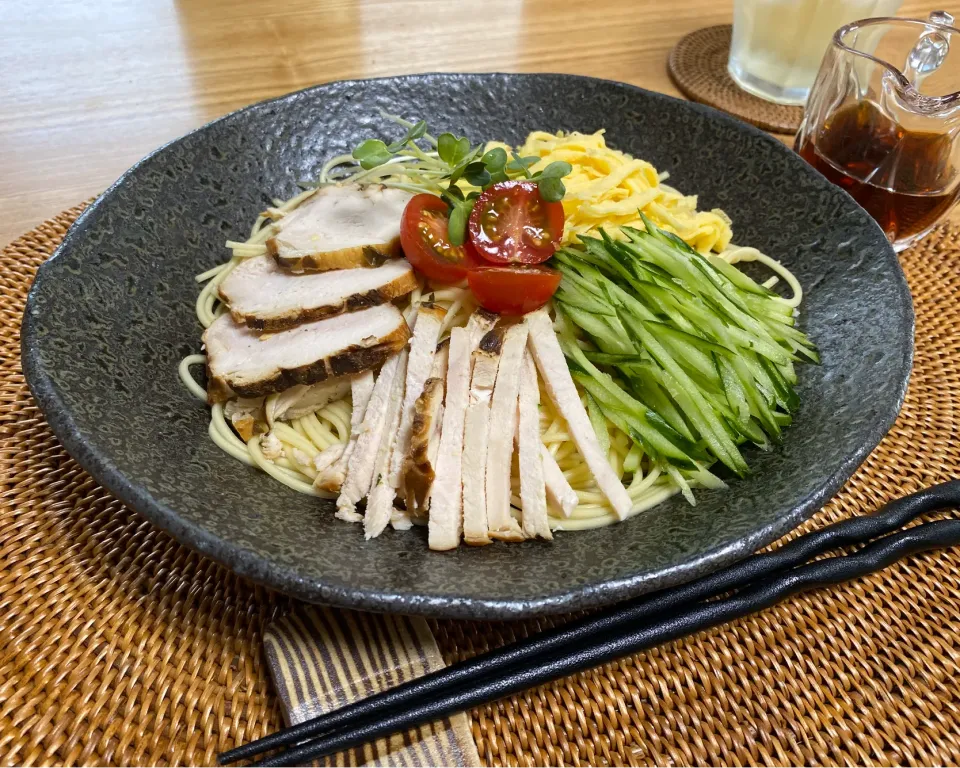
{"x":904,"y":179}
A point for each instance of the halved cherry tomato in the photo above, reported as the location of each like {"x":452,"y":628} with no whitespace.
{"x":513,"y":290}
{"x":511,"y":224}
{"x":423,"y":237}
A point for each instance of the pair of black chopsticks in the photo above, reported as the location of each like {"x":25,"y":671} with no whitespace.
{"x":759,"y":581}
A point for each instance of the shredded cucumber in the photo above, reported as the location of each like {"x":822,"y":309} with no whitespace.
{"x":684,"y":353}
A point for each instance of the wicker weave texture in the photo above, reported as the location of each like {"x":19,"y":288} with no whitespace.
{"x":118,"y":646}
{"x":698,"y":67}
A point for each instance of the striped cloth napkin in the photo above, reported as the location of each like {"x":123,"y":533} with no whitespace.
{"x":323,"y":658}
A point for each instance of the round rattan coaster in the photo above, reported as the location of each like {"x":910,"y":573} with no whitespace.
{"x":118,"y":646}
{"x":698,"y":67}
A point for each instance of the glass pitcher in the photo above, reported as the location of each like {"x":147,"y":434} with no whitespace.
{"x":883,"y":120}
{"x":777,"y":45}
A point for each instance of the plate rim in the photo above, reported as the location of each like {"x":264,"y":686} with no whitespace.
{"x":249,"y":564}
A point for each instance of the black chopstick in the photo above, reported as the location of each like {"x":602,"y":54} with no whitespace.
{"x":575,"y":646}
{"x":851,"y":531}
{"x":700,"y":616}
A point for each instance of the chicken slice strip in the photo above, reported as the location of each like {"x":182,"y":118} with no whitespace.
{"x":417,"y":472}
{"x":380,"y":500}
{"x":486,"y":361}
{"x":418,"y":466}
{"x":476,"y":434}
{"x":400,"y":520}
{"x":340,"y":227}
{"x":271,"y":447}
{"x":433,"y":447}
{"x":533,"y":492}
{"x":559,"y":384}
{"x":240,"y":362}
{"x":479,"y":324}
{"x":361,"y":387}
{"x":503,"y":426}
{"x":440,"y":360}
{"x":560,"y":493}
{"x":328,"y":457}
{"x":265,"y":297}
{"x":423,"y":349}
{"x":244,"y":413}
{"x":302,"y":399}
{"x":363,"y":458}
{"x":445,"y":500}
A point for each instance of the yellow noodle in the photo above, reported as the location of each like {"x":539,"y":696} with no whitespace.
{"x":225,"y":438}
{"x":188,"y":381}
{"x":741,"y":253}
{"x":319,"y":435}
{"x":212,"y":272}
{"x":283,"y":475}
{"x":290,"y":461}
{"x":288,"y":434}
{"x":300,"y":430}
{"x":332,"y":429}
{"x":319,"y":431}
{"x":656,"y":496}
{"x":338,"y":420}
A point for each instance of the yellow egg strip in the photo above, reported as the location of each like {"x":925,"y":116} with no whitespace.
{"x":608,"y":188}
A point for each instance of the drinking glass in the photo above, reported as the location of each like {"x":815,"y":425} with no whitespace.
{"x":883,"y":120}
{"x":777,"y":45}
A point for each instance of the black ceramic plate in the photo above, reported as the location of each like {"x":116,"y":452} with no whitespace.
{"x":111,"y":315}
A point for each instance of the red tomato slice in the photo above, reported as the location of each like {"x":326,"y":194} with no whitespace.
{"x":513,"y":290}
{"x":511,"y":224}
{"x":423,"y":237}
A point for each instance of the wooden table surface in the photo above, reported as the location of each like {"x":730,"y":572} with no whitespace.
{"x":87,"y":87}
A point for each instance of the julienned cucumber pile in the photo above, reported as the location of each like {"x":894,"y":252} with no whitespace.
{"x":684,"y":353}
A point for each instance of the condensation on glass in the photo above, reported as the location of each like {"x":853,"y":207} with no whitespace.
{"x":778,"y":44}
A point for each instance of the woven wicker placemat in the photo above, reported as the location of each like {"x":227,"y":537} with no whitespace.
{"x":698,"y":67}
{"x":118,"y":646}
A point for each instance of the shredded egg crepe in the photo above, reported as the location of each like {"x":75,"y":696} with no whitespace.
{"x":608,"y":188}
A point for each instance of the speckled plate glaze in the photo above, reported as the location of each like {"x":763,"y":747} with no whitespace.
{"x":111,"y":315}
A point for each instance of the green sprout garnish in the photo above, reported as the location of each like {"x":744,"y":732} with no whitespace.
{"x":440,"y":168}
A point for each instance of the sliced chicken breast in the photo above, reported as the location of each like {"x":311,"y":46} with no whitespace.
{"x":271,"y":447}
{"x":503,"y":425}
{"x":475,"y":435}
{"x":302,"y":399}
{"x":418,"y":468}
{"x":400,"y":520}
{"x":560,"y":493}
{"x":359,"y":477}
{"x":445,"y":499}
{"x":380,"y":501}
{"x":440,"y":360}
{"x":240,"y":362}
{"x":445,"y":496}
{"x":433,"y":445}
{"x":361,"y":388}
{"x":328,"y":457}
{"x":266,"y":298}
{"x":244,"y":413}
{"x":423,"y":349}
{"x":479,"y":324}
{"x":559,"y":384}
{"x":533,"y":493}
{"x":486,"y":361}
{"x":417,"y":472}
{"x":341,"y":227}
